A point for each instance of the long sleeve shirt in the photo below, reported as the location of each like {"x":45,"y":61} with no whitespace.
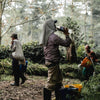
{"x":51,"y":51}
{"x":17,"y":51}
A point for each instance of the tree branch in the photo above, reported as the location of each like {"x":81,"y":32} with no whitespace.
{"x":3,"y":6}
{"x":6,"y":31}
{"x":15,"y":1}
{"x":11,"y":26}
{"x":24,"y":22}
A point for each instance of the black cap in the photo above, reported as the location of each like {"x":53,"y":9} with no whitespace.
{"x":14,"y":35}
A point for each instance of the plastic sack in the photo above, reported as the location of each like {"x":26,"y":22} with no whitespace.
{"x":86,"y":62}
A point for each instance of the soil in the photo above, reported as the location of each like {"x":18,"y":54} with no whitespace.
{"x":30,"y":90}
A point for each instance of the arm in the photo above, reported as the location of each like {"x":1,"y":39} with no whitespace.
{"x":13,"y":46}
{"x":60,"y":41}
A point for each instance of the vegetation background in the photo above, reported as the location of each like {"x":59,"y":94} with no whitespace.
{"x":26,"y":18}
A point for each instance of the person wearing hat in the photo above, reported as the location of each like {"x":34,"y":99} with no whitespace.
{"x":17,"y":59}
{"x":51,"y":43}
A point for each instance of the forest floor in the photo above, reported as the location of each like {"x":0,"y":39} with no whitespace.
{"x":30,"y":90}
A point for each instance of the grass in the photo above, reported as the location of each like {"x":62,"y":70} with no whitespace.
{"x":6,"y":78}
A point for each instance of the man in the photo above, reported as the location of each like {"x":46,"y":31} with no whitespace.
{"x":18,"y":58}
{"x":91,"y":53}
{"x":88,"y":63}
{"x":51,"y":43}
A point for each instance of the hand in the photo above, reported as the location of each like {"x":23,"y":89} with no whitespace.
{"x":66,"y":32}
{"x":12,"y":42}
{"x":79,"y":66}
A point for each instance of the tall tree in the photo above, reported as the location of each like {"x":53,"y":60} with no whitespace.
{"x":2,"y":6}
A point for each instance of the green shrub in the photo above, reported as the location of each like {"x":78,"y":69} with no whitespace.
{"x":36,"y":69}
{"x":4,"y":52}
{"x":80,"y":52}
{"x":33,"y":69}
{"x":5,"y":66}
{"x":92,"y":86}
{"x":34,"y":52}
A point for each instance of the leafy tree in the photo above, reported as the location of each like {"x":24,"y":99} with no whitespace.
{"x":26,"y":17}
{"x":2,"y":6}
{"x":75,"y":34}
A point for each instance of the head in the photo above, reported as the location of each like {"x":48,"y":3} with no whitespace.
{"x":50,"y":24}
{"x":87,"y":48}
{"x":48,"y":28}
{"x":14,"y":36}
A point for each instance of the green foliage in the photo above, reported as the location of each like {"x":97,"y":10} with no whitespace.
{"x":4,"y":52}
{"x":5,"y":77}
{"x":33,"y":69}
{"x":92,"y":86}
{"x":76,"y":36}
{"x":5,"y":66}
{"x":97,"y":51}
{"x":80,"y":51}
{"x":36,"y":69}
{"x":34,"y":52}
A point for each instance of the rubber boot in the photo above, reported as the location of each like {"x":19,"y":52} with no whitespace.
{"x":57,"y":91}
{"x":57,"y":94}
{"x":46,"y":94}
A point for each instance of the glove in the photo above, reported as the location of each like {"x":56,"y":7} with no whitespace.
{"x":79,"y":66}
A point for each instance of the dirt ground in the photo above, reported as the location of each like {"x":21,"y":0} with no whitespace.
{"x":30,"y":90}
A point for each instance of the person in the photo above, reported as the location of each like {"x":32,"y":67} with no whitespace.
{"x":17,"y":60}
{"x":91,"y":53}
{"x":88,"y":63}
{"x":51,"y":43}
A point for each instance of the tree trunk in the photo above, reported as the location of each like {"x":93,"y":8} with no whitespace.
{"x":71,"y":54}
{"x":0,"y":19}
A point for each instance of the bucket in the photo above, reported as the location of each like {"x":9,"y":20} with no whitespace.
{"x":79,"y":86}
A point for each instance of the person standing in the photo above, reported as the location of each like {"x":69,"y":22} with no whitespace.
{"x":17,"y":59}
{"x":51,"y":43}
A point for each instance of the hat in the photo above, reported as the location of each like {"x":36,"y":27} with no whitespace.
{"x":14,"y":35}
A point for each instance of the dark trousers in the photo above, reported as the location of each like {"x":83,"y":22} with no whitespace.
{"x":47,"y":93}
{"x":17,"y":72}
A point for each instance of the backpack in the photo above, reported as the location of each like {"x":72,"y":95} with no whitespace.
{"x":22,"y":67}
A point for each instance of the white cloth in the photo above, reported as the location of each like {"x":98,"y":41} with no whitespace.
{"x":17,"y":50}
{"x":48,"y":28}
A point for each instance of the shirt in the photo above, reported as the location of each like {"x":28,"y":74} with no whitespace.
{"x":17,"y":51}
{"x":51,"y":50}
